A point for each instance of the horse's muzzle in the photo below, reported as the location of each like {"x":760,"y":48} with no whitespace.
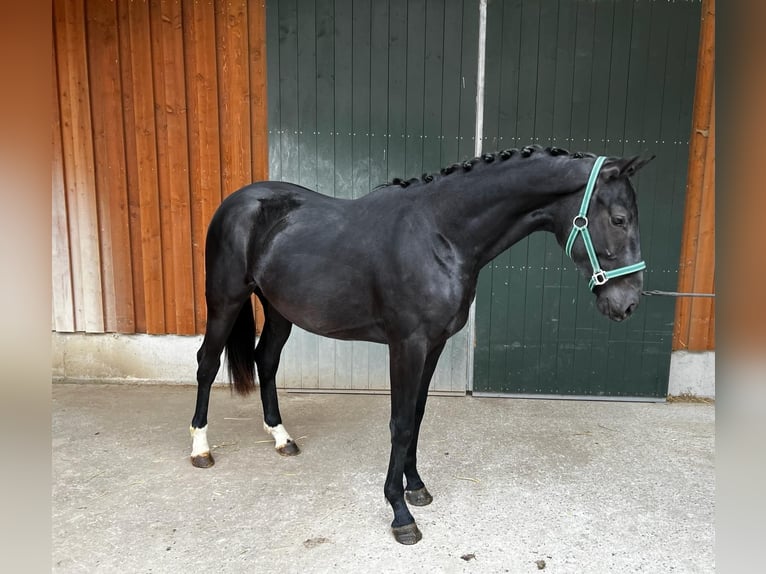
{"x":617,"y":305}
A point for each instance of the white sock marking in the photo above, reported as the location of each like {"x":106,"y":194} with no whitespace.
{"x":199,"y":441}
{"x":279,"y":433}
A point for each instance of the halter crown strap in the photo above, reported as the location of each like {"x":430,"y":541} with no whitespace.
{"x":580,"y":227}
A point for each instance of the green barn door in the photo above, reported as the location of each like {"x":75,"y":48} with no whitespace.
{"x":361,"y":92}
{"x":614,"y":78}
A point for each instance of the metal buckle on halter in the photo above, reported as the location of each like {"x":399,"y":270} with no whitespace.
{"x":599,"y":277}
{"x":577,"y":218}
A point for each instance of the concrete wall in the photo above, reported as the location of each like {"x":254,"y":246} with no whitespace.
{"x":80,"y":357}
{"x":692,"y":373}
{"x":83,"y":357}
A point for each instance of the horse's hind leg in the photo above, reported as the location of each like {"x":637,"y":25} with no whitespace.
{"x":276,"y":331}
{"x":220,"y":320}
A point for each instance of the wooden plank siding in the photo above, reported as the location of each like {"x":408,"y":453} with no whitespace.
{"x":160,"y":112}
{"x":61,"y":264}
{"x":110,"y":168}
{"x":695,"y":317}
{"x":78,"y":167}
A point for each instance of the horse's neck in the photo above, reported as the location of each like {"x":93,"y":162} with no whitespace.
{"x":485,"y":211}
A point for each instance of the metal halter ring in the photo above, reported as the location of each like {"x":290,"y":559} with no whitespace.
{"x":577,"y":218}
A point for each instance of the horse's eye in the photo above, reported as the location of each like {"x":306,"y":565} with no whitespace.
{"x":618,"y":220}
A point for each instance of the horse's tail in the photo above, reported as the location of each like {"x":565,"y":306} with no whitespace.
{"x":240,"y":351}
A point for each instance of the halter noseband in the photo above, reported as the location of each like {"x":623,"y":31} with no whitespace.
{"x":580,"y":226}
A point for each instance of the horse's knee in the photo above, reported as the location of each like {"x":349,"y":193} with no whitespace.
{"x":401,"y":433}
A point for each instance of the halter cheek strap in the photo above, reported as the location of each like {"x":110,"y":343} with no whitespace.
{"x":580,"y":227}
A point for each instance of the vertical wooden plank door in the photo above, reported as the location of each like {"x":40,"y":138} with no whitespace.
{"x":359,"y":93}
{"x":613,"y":78}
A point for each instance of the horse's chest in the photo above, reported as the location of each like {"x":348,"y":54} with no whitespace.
{"x":445,"y":303}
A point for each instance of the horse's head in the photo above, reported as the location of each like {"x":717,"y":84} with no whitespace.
{"x":602,"y":237}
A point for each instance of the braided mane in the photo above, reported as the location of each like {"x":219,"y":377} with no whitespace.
{"x":487,"y":158}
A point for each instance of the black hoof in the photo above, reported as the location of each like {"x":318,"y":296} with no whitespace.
{"x":204,"y":460}
{"x":408,"y":534}
{"x":290,"y":449}
{"x":419,"y":497}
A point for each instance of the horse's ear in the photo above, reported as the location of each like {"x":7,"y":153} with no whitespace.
{"x":624,"y":166}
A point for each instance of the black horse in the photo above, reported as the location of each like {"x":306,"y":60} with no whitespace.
{"x":399,"y":266}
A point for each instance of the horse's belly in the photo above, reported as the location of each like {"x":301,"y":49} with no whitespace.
{"x":337,"y":292}
{"x":332,"y":318}
{"x":334,"y":302}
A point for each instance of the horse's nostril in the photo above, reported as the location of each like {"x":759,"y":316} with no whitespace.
{"x":630,"y":309}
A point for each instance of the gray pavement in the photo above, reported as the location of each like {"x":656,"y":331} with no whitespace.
{"x":518,"y":485}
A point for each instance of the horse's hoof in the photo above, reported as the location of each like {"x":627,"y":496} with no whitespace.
{"x":204,"y":460}
{"x":408,"y":534}
{"x":290,"y":449}
{"x":419,"y":497}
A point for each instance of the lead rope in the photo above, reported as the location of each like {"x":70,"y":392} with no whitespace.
{"x":675,"y":294}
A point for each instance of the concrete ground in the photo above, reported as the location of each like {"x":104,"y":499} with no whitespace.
{"x":518,"y":485}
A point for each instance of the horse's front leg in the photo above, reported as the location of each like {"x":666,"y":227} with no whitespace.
{"x":407,"y":360}
{"x":416,"y":492}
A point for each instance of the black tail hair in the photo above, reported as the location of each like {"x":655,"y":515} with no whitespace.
{"x":240,"y":351}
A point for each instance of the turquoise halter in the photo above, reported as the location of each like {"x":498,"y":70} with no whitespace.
{"x":580,"y":226}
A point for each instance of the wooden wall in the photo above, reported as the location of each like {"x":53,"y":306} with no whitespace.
{"x":695,"y":316}
{"x":160,"y":112}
